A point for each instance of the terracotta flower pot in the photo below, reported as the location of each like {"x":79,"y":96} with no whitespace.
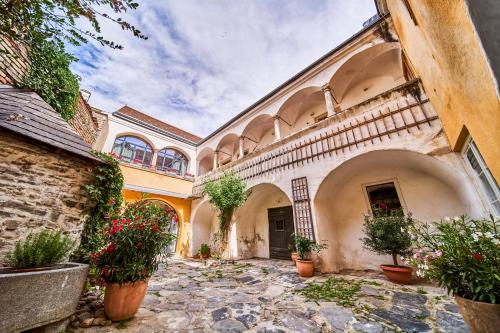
{"x":399,"y":274}
{"x":480,"y":317}
{"x":305,"y":267}
{"x":294,"y":257}
{"x":122,"y":302}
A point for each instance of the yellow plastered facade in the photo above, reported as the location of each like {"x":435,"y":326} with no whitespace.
{"x":446,"y":53}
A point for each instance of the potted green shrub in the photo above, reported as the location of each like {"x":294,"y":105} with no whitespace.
{"x":305,"y":247}
{"x":37,"y":287}
{"x":463,"y":255}
{"x":387,"y":232}
{"x":204,"y":251}
{"x":137,"y":242}
{"x":293,"y":251}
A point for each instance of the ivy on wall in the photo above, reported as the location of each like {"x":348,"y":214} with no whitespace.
{"x":50,"y":77}
{"x":106,"y":195}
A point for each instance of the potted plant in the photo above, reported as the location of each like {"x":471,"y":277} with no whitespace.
{"x":204,"y":251}
{"x":387,"y":232}
{"x":305,"y":247}
{"x":293,"y":250}
{"x":137,"y":242}
{"x":463,"y":255}
{"x":38,"y":290}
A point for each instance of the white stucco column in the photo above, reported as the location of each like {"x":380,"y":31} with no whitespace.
{"x":216,"y":159}
{"x":330,"y":104}
{"x":155,"y":157}
{"x":242,"y":142}
{"x":277,"y":131}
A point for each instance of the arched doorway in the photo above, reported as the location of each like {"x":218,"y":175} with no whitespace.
{"x":174,"y":223}
{"x":203,"y":225}
{"x":429,"y":188}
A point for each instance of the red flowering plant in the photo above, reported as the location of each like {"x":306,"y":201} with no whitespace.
{"x":462,"y":255}
{"x":137,"y":242}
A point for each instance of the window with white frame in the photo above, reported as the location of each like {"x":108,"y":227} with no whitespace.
{"x":485,"y":178}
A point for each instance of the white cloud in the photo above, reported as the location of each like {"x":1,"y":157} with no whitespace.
{"x":206,"y":61}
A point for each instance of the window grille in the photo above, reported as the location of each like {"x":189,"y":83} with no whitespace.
{"x":171,"y":160}
{"x":483,"y":175}
{"x":133,"y":150}
{"x":302,"y":208}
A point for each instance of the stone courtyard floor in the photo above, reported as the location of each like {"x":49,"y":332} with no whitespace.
{"x":262,"y":296}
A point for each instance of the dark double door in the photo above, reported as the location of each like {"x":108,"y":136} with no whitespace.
{"x":280,"y":231}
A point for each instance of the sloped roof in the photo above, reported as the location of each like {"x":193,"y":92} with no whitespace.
{"x":25,"y":113}
{"x":129,"y":112}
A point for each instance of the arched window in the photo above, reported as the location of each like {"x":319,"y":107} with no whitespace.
{"x":171,"y":160}
{"x":133,"y":150}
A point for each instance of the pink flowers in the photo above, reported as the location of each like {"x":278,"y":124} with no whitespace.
{"x":116,"y":227}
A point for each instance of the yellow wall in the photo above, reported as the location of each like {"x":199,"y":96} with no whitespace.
{"x":447,"y":55}
{"x":150,"y":179}
{"x":183,"y":209}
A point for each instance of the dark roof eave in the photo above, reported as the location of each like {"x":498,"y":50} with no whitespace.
{"x":296,"y":76}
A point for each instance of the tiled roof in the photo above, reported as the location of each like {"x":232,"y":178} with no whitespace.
{"x":24,"y":112}
{"x":144,"y":118}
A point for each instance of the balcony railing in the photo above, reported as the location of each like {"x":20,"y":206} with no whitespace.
{"x":342,"y":132}
{"x":159,"y":170}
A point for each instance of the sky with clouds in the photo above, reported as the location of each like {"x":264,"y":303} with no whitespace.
{"x":206,"y":61}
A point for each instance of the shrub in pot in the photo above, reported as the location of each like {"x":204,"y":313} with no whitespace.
{"x":305,"y":247}
{"x":463,"y":255}
{"x":38,"y":290}
{"x":204,"y":251}
{"x":137,"y":242}
{"x":292,"y":249}
{"x":388,"y":232}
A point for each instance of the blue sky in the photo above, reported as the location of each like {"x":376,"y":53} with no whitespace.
{"x":206,"y":61}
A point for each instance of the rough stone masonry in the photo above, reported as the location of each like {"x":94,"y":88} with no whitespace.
{"x":40,"y":187}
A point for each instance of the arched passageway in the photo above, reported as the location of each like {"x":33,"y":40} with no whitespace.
{"x":263,"y":223}
{"x":174,"y":223}
{"x":205,"y":160}
{"x":203,"y":226}
{"x":423,"y":185}
{"x":258,"y":133}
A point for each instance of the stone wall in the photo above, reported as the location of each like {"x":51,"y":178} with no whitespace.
{"x":40,"y":187}
{"x":84,"y":122}
{"x":13,"y":61}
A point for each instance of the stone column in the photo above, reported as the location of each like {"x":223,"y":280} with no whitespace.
{"x":242,"y":141}
{"x":155,"y":158}
{"x":277,"y":131}
{"x":216,"y":159}
{"x":330,"y":103}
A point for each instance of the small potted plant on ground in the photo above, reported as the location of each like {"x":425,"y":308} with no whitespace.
{"x":305,"y":247}
{"x":463,"y":255}
{"x":37,"y":289}
{"x":204,"y":251}
{"x":137,"y":242}
{"x":387,"y":232}
{"x":293,"y":250}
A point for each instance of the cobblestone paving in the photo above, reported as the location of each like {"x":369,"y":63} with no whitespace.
{"x":260,"y":296}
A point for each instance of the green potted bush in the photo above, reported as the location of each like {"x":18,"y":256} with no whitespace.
{"x":37,"y":287}
{"x":305,"y":247}
{"x":293,"y":250}
{"x":137,"y":242}
{"x":388,"y":232}
{"x":463,"y":255}
{"x":204,"y":251}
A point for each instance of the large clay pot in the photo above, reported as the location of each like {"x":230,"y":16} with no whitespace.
{"x":294,"y":257}
{"x":480,"y":317}
{"x":305,"y":267}
{"x":399,"y":274}
{"x":122,"y":301}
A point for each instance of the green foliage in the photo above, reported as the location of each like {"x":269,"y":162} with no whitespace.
{"x":342,"y":291}
{"x":137,"y":242}
{"x":106,"y":195}
{"x":204,"y":249}
{"x":41,"y":249}
{"x":462,"y":255}
{"x":226,"y":195}
{"x":56,"y":20}
{"x":305,"y":247}
{"x":387,"y":232}
{"x":50,"y":77}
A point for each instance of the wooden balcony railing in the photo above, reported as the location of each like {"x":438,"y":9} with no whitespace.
{"x":404,"y":113}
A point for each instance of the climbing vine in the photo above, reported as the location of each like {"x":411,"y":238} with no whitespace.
{"x":226,"y":194}
{"x":50,"y":77}
{"x":106,"y":196}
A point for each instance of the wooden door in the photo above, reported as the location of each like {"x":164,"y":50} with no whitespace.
{"x":280,"y":231}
